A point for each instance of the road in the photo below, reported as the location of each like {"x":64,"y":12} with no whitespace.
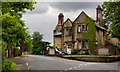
{"x":37,"y":62}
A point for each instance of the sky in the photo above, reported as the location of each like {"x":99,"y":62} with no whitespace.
{"x":44,"y":17}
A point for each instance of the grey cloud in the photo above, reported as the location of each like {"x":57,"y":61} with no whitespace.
{"x":73,"y":6}
{"x":40,"y":7}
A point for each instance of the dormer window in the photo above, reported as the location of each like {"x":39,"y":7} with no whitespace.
{"x":68,"y":32}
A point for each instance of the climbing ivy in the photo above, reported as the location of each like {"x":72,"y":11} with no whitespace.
{"x":89,"y":35}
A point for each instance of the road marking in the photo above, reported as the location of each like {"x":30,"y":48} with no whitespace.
{"x":86,"y":64}
{"x":75,"y":67}
{"x":70,"y":68}
{"x":66,"y":69}
{"x":80,"y":64}
{"x":26,"y":63}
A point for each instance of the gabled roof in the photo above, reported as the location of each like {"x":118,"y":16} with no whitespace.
{"x":67,"y":20}
{"x":81,"y":14}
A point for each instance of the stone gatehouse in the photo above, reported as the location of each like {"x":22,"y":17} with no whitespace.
{"x":82,"y":33}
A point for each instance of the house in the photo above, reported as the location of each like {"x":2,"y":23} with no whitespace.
{"x":83,"y":33}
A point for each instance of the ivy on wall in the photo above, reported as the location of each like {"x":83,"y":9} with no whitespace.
{"x":89,"y":35}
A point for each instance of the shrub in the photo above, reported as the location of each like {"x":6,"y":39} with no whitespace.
{"x":6,"y":65}
{"x":75,"y":51}
{"x":86,"y":53}
{"x":16,"y":51}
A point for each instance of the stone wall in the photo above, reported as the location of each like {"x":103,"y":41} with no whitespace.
{"x":57,"y":41}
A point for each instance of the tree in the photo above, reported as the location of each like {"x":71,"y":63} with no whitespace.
{"x":17,"y":8}
{"x":12,"y":30}
{"x":38,"y":44}
{"x":111,"y":13}
{"x":37,"y":37}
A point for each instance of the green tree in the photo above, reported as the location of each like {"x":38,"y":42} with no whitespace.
{"x":37,"y":37}
{"x":38,"y":44}
{"x":28,"y":42}
{"x":111,"y":13}
{"x":13,"y":28}
{"x":17,"y":8}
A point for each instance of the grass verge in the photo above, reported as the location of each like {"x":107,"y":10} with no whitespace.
{"x":89,"y":56}
{"x":13,"y":65}
{"x":17,"y":57}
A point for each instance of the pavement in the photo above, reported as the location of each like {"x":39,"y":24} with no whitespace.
{"x":20,"y":63}
{"x":40,"y":62}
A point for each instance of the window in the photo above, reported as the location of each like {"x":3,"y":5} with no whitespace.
{"x":79,"y":28}
{"x":83,"y":28}
{"x":70,"y":32}
{"x":86,"y":28}
{"x":79,"y":45}
{"x":66,"y":31}
{"x":82,"y":45}
{"x":86,"y":45}
{"x":69,"y":46}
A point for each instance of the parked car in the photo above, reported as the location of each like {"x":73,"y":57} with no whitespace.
{"x":57,"y":51}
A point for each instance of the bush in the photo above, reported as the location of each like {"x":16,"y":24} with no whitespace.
{"x":16,"y":51}
{"x":86,"y":52}
{"x":75,"y":51}
{"x":6,"y":65}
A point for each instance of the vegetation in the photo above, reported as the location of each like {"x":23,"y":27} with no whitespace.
{"x":89,"y":35}
{"x":13,"y":29}
{"x":18,"y":57}
{"x":90,"y":56}
{"x":75,"y":51}
{"x":38,"y":44}
{"x":6,"y":65}
{"x":111,"y":13}
{"x":16,"y":51}
{"x":13,"y":65}
{"x":80,"y":52}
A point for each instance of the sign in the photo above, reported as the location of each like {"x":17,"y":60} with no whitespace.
{"x":103,"y":51}
{"x":51,"y":51}
{"x":18,"y":47}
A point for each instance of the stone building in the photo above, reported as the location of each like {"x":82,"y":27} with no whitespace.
{"x":82,"y":33}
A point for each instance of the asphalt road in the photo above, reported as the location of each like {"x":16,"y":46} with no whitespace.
{"x":37,"y":62}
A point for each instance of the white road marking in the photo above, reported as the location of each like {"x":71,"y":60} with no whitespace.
{"x":70,"y":68}
{"x":66,"y":69}
{"x":26,"y":63}
{"x":80,"y":64}
{"x":86,"y":64}
{"x":75,"y":67}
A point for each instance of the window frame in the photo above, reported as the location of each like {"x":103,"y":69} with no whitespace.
{"x":85,"y":43}
{"x":82,"y":28}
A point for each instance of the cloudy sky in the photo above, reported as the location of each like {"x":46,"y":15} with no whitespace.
{"x":44,"y":17}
